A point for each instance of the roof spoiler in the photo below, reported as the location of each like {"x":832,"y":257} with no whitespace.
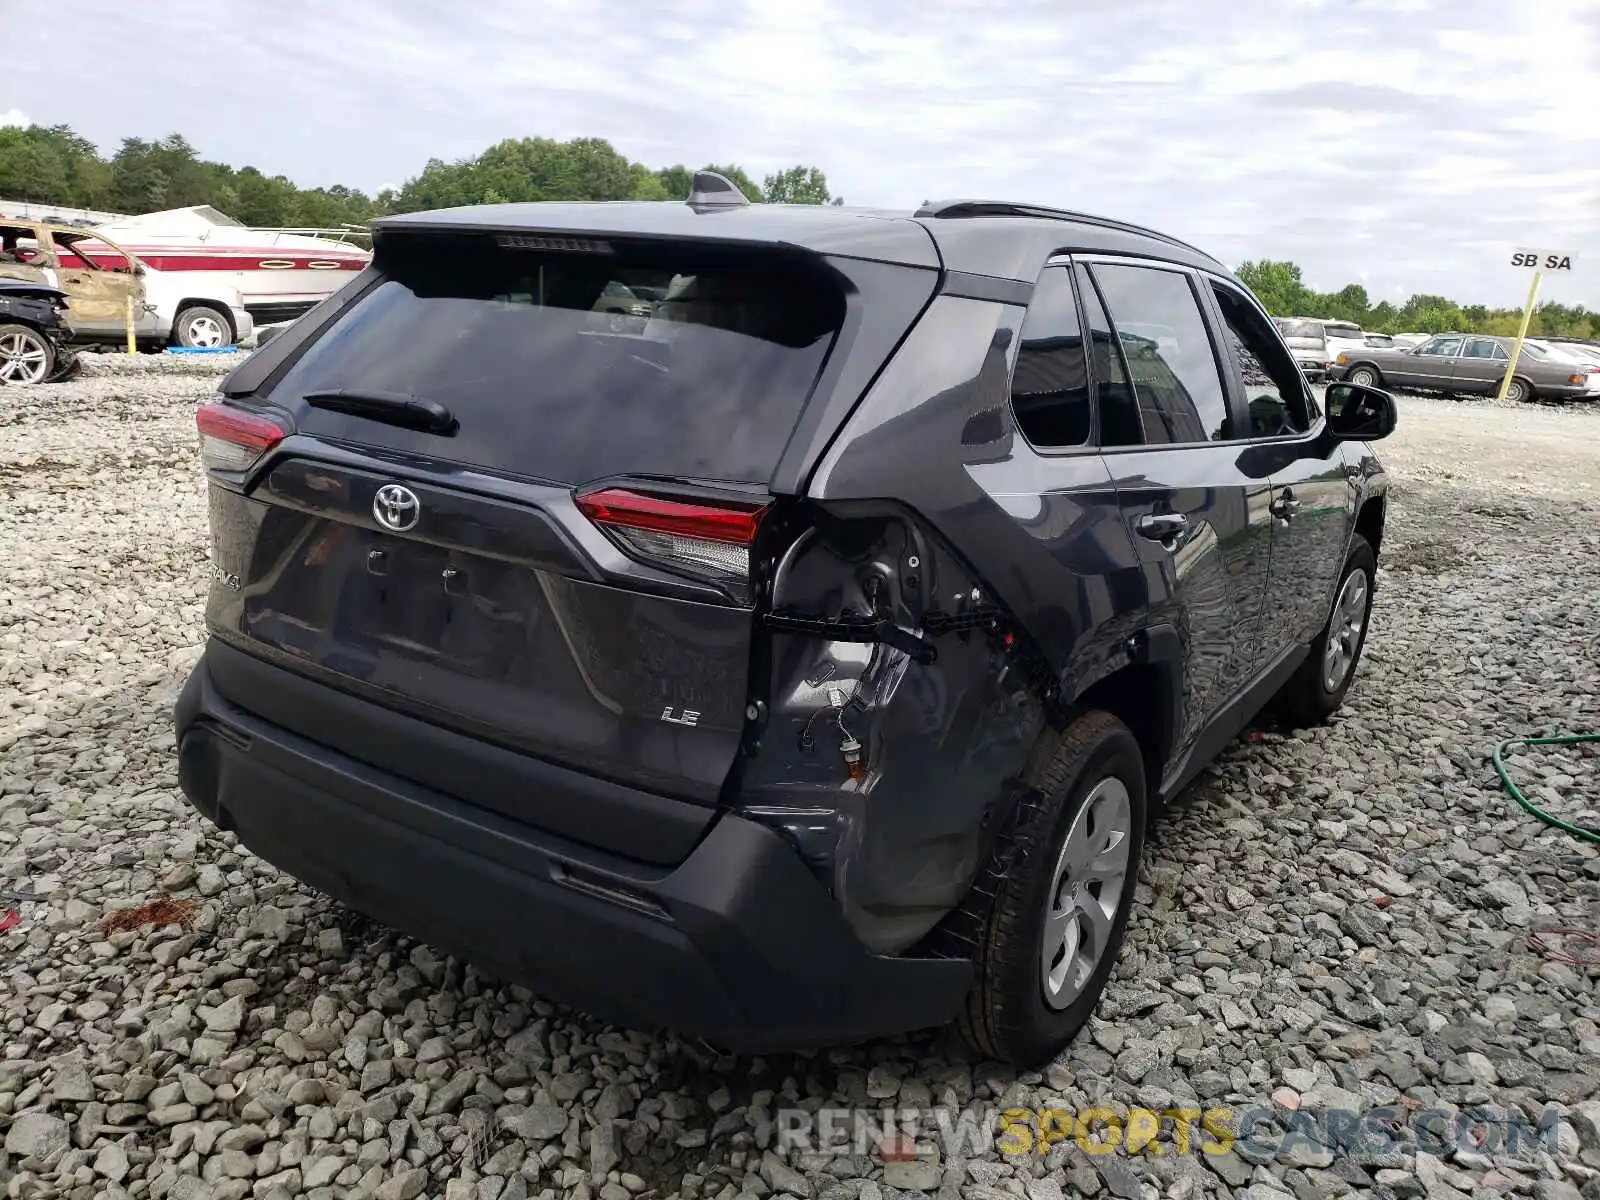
{"x":711,"y":191}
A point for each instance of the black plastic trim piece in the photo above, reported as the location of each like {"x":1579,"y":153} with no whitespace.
{"x":966,"y":286}
{"x":854,"y":628}
{"x":956,"y":209}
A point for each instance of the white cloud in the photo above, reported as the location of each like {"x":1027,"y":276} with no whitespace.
{"x":1406,"y":141}
{"x":15,"y":116}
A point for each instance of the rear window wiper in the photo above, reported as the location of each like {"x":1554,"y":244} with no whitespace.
{"x":392,"y":408}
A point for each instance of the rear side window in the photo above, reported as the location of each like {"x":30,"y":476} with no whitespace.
{"x":573,"y":366}
{"x":1050,"y":383}
{"x":1114,"y":399}
{"x":1174,"y":368}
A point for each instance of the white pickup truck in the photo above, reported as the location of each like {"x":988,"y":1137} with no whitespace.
{"x":167,"y":309}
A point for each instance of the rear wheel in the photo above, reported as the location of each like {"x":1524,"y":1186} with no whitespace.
{"x":1059,"y":915}
{"x":203,"y":328}
{"x":26,"y":356}
{"x":1315,"y":692}
{"x":1519,"y":392}
{"x":1365,"y":376}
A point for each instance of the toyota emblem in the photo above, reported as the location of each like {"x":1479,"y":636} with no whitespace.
{"x":396,"y":507}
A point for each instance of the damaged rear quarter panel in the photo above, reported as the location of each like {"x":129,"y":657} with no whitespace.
{"x":974,"y":508}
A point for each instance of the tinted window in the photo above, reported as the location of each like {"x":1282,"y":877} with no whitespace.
{"x":1273,"y":386}
{"x":1172,"y":365}
{"x":560,"y":367}
{"x":1114,"y":399}
{"x":1310,"y":331}
{"x":1050,"y":385}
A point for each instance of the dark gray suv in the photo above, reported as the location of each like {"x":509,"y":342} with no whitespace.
{"x":800,"y":663}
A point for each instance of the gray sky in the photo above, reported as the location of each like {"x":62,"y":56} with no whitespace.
{"x":1404,"y":144}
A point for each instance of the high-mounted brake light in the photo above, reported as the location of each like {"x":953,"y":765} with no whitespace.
{"x":708,"y":539}
{"x":568,"y":245}
{"x":233,"y":440}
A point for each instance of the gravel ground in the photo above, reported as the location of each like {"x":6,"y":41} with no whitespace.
{"x":1343,"y":919}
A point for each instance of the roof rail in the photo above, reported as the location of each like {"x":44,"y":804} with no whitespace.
{"x":712,"y":191}
{"x":1006,"y":208}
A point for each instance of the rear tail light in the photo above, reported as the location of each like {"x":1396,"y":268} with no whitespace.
{"x":232,"y":439}
{"x":708,"y":539}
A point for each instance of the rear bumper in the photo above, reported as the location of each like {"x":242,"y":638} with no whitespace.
{"x":738,"y":943}
{"x":1568,"y":391}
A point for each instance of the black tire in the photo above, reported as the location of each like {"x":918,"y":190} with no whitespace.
{"x":1006,"y":1016}
{"x":1520,"y":391}
{"x":1364,"y":374}
{"x":1307,"y":699}
{"x":26,"y":355}
{"x":198,"y":324}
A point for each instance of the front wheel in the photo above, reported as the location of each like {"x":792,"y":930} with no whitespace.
{"x":1059,"y":914}
{"x":203,"y":328}
{"x":1315,"y":692}
{"x":26,"y":356}
{"x":1365,"y":376}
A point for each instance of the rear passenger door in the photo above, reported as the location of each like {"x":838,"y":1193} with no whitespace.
{"x":1196,"y":513}
{"x":1481,"y":366}
{"x":1313,"y":483}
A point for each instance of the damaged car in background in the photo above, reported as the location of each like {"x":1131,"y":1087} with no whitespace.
{"x":106,"y":285}
{"x":34,"y":337}
{"x":799,"y":663}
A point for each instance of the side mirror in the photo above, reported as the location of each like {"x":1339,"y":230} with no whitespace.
{"x":1357,"y":413}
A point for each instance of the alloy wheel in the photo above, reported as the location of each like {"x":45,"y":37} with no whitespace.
{"x":1344,"y":630}
{"x":24,"y":357}
{"x":205,"y":332}
{"x":1086,"y":889}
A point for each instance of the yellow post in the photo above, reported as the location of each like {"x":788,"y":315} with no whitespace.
{"x":1522,"y":332}
{"x":132,"y":345}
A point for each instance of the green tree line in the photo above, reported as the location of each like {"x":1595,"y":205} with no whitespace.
{"x":1283,"y":293}
{"x":54,"y":165}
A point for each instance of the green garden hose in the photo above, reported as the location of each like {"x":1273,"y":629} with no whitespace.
{"x":1577,"y":831}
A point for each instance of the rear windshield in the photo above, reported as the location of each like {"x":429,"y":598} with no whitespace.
{"x":570,"y":366}
{"x":1350,"y":332}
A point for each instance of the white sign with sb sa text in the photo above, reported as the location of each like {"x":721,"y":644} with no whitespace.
{"x":1542,"y":260}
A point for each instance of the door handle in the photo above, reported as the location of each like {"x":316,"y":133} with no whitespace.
{"x":1162,"y":527}
{"x":1285,"y":506}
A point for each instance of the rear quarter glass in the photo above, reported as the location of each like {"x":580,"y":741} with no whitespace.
{"x":675,"y":359}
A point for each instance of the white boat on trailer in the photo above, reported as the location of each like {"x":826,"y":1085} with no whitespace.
{"x":278,"y":273}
